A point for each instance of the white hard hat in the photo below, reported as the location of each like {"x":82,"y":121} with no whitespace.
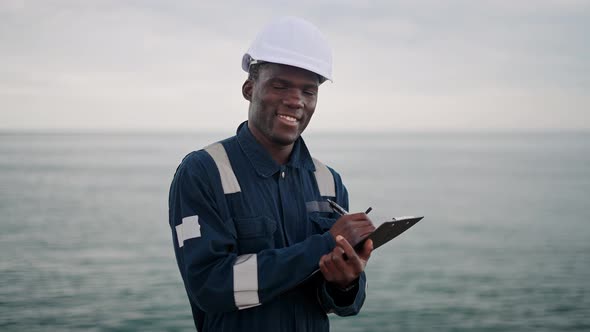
{"x":291,"y":41}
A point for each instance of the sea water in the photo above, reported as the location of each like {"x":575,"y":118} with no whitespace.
{"x":504,"y":246}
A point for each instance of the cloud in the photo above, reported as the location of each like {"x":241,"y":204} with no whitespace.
{"x":409,"y":64}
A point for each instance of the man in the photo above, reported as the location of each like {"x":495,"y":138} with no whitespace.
{"x":249,"y":217}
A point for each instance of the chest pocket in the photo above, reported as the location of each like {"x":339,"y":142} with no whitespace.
{"x":255,"y":234}
{"x":258,"y":233}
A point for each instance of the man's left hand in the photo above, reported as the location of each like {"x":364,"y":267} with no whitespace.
{"x":340,"y":271}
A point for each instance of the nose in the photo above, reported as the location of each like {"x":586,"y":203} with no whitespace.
{"x":294,"y":99}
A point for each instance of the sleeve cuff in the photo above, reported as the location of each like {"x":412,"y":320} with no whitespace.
{"x":342,"y":303}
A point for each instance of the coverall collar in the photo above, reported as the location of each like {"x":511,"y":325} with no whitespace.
{"x":261,"y":160}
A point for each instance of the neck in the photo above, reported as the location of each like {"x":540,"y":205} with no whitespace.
{"x":279,"y":153}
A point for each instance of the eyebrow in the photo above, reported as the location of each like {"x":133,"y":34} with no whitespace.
{"x":290,"y":83}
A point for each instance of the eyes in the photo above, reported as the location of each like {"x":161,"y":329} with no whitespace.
{"x":280,"y":87}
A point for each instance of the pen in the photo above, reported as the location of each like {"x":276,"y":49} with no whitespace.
{"x":337,"y":208}
{"x":340,"y":210}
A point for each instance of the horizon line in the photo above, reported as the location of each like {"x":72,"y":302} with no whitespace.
{"x":319,"y":131}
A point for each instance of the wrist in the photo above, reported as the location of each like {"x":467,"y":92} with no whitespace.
{"x":347,"y":288}
{"x":344,"y":288}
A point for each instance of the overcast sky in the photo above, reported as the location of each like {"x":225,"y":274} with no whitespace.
{"x":399,"y":65}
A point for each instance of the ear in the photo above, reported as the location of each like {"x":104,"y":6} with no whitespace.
{"x":247,"y":88}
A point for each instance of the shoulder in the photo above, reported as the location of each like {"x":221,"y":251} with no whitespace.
{"x":204,"y":159}
{"x":194,"y":163}
{"x":321,"y":167}
{"x":328,"y":180}
{"x":336,"y":175}
{"x":192,"y":173}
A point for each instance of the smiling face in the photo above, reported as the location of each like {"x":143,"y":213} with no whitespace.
{"x":282,"y":101}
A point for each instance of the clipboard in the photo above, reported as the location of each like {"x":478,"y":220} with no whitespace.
{"x":388,"y":231}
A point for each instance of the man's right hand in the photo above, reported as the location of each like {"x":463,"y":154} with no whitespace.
{"x":353,"y":227}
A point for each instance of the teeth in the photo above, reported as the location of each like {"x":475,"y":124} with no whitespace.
{"x":288,"y":118}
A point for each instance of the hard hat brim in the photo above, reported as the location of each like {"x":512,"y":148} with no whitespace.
{"x":247,"y":60}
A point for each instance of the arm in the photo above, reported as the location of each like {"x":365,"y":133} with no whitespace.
{"x":215,"y":277}
{"x":343,"y":289}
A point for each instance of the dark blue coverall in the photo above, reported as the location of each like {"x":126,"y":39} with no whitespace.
{"x":248,"y":233}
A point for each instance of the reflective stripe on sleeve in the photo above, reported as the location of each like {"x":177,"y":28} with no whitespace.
{"x":228,"y":177}
{"x":316,"y":206}
{"x":189,"y":229}
{"x":246,"y":281}
{"x":325,"y":179}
